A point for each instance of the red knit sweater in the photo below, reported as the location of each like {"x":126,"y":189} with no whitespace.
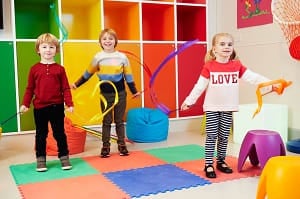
{"x":47,"y":85}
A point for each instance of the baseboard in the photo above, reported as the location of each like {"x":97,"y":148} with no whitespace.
{"x":182,"y":125}
{"x":175,"y":125}
{"x":293,"y":134}
{"x":18,"y":133}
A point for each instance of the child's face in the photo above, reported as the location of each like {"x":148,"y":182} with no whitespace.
{"x":47,"y":52}
{"x":223,"y":48}
{"x":108,"y":42}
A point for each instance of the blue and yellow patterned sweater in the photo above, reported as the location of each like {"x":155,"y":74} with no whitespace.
{"x":114,"y":67}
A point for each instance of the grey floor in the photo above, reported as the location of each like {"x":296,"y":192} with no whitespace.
{"x":19,"y":149}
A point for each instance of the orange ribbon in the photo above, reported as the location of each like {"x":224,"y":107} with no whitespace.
{"x":279,"y":87}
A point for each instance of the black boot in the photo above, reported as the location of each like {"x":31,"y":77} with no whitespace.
{"x":210,"y":174}
{"x":223,"y":167}
{"x":105,"y":150}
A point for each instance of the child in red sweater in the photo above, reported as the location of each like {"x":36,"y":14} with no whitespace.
{"x":49,"y":88}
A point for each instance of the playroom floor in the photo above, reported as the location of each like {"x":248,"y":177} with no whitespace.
{"x":18,"y":149}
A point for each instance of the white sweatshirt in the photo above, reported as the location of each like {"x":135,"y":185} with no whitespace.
{"x":221,"y":83}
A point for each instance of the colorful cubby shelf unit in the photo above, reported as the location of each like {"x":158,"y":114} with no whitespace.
{"x":148,"y":31}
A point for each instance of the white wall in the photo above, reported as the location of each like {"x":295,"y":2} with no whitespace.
{"x":6,"y":33}
{"x":264,"y":50}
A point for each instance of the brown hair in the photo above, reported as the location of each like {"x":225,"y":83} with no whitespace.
{"x":110,"y":32}
{"x":210,"y":54}
{"x":47,"y":38}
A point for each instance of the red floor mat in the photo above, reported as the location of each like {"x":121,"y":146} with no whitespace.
{"x":93,"y":186}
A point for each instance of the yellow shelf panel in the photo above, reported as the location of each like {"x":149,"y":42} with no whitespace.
{"x":82,"y":19}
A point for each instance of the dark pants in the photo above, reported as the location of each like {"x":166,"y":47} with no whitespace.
{"x":55,"y":115}
{"x":116,"y":114}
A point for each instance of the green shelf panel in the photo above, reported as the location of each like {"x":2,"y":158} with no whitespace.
{"x":34,"y":17}
{"x":8,"y":87}
{"x":26,"y":57}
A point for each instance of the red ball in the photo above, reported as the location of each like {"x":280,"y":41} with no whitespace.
{"x":295,"y":48}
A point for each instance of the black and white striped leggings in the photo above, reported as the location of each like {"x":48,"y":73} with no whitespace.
{"x":218,"y":126}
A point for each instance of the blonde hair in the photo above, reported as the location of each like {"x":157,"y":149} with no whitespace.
{"x":110,"y":32}
{"x":210,"y":54}
{"x":47,"y":38}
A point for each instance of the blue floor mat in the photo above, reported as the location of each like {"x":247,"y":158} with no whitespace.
{"x":153,"y":180}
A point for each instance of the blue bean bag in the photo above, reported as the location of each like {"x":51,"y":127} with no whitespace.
{"x":293,"y":146}
{"x":147,"y":125}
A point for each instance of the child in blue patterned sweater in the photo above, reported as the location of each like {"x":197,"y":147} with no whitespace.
{"x":111,"y":65}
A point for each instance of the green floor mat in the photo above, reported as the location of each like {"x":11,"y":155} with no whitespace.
{"x":26,"y":173}
{"x":178,"y":153}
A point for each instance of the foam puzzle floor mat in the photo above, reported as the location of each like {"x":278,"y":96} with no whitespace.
{"x":141,"y":173}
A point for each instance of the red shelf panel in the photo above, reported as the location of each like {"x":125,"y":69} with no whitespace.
{"x":165,"y":81}
{"x":158,"y":22}
{"x":191,"y":23}
{"x":192,"y":1}
{"x":190,"y":63}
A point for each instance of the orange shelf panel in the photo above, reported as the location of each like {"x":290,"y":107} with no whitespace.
{"x":137,"y":70}
{"x":123,"y":17}
{"x":163,"y":1}
{"x":165,"y":81}
{"x":158,"y":22}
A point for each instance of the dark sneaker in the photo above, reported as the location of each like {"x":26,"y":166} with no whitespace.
{"x":41,"y":164}
{"x":65,"y":162}
{"x":105,"y":152}
{"x":123,"y":150}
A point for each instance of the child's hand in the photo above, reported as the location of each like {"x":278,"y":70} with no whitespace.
{"x":185,"y":107}
{"x":70,"y":109}
{"x":277,"y":88}
{"x":73,"y":86}
{"x":23,"y":109}
{"x":136,"y":95}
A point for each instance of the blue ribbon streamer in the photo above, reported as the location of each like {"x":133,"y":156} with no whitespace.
{"x":61,"y":26}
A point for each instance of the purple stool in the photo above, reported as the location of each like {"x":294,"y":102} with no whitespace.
{"x":260,"y":145}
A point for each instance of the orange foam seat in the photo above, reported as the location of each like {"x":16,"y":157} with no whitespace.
{"x":75,"y":137}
